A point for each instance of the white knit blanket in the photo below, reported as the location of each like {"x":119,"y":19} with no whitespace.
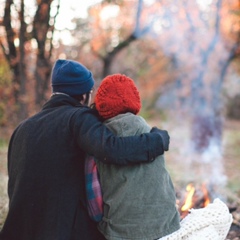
{"x":210,"y":223}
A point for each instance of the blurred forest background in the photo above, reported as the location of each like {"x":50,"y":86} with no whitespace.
{"x":183,"y":55}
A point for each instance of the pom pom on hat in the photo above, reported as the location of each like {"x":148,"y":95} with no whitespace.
{"x":71,"y":77}
{"x":117,"y":94}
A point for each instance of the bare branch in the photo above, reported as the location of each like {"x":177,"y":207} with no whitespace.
{"x":109,"y":57}
{"x":53,"y":29}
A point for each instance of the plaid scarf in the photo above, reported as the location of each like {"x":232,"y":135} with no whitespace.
{"x":93,"y":189}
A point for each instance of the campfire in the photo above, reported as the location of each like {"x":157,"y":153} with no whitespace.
{"x":195,"y":197}
{"x":199,"y":196}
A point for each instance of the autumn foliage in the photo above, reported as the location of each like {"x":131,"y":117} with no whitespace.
{"x":183,"y":49}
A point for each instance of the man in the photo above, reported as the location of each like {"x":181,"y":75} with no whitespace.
{"x":47,"y":198}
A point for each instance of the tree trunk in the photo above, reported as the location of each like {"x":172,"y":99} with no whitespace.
{"x":42,"y":74}
{"x":23,"y":101}
{"x":16,"y":59}
{"x":11,"y":56}
{"x":43,"y":65}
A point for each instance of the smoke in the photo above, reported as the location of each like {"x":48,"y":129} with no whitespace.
{"x":189,"y":32}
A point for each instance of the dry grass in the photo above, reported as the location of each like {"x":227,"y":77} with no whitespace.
{"x":232,"y":155}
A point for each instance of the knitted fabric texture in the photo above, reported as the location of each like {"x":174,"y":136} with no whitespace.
{"x":117,"y":94}
{"x":71,"y":77}
{"x":212,"y":222}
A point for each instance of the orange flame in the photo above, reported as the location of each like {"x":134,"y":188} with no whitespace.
{"x":195,"y":198}
{"x":188,"y":202}
{"x":206,"y":195}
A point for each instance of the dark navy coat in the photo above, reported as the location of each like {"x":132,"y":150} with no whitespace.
{"x":46,"y":170}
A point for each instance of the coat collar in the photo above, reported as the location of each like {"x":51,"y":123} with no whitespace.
{"x":61,"y":100}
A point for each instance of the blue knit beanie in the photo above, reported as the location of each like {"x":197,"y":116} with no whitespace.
{"x":71,"y":77}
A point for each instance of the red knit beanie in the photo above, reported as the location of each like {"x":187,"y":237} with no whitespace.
{"x":117,"y":94}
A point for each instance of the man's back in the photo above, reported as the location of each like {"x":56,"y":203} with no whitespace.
{"x":46,"y":180}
